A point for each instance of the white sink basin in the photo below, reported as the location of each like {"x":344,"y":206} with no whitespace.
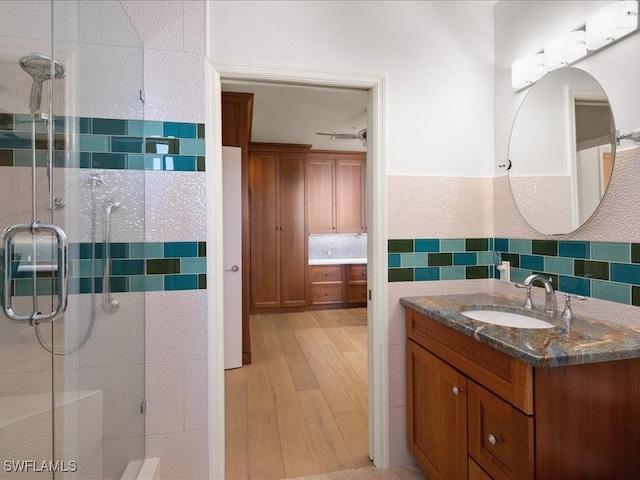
{"x":506,"y":319}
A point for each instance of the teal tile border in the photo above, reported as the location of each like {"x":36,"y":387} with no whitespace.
{"x":605,"y":270}
{"x":135,"y":267}
{"x":101,"y":137}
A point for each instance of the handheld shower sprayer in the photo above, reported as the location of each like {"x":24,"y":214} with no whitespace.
{"x":41,"y":68}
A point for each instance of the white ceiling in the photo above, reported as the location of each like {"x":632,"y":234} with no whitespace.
{"x":293,"y":114}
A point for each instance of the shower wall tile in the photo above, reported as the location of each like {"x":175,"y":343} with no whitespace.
{"x":176,"y":326}
{"x":171,"y":146}
{"x":175,"y":206}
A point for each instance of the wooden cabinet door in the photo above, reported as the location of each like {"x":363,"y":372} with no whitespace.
{"x":350,"y":195}
{"x":264,"y":222}
{"x":293,"y":241}
{"x":320,"y":194}
{"x":436,"y":415}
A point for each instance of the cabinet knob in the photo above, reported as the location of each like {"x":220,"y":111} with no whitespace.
{"x":456,"y":390}
{"x":492,"y":439}
{"x":326,"y":274}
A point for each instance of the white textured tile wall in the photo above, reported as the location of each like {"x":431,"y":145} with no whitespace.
{"x":174,"y":86}
{"x":439,"y":207}
{"x":183,"y":455}
{"x":176,"y":383}
{"x":86,"y":203}
{"x":175,"y":206}
{"x":173,"y":33}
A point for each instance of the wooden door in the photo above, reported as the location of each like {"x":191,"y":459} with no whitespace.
{"x":264,"y":223}
{"x":320,"y":194}
{"x":293,"y":241}
{"x":350,"y":195}
{"x":436,"y":415}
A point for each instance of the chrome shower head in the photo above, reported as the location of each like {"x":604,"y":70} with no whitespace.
{"x":41,"y":68}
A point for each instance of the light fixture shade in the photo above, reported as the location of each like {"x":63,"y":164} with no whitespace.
{"x":527,"y":70}
{"x":610,"y":23}
{"x":564,"y":50}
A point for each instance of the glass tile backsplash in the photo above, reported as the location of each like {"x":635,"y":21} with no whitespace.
{"x":605,"y":270}
{"x":337,"y":246}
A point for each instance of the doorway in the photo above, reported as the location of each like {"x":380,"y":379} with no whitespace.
{"x":302,"y":402}
{"x":377,"y":316}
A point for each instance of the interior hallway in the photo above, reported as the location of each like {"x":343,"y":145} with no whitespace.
{"x":301,"y":407}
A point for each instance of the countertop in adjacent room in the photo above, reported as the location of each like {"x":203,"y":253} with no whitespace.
{"x":338,"y":261}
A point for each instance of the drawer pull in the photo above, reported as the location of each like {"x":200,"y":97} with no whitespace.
{"x":492,"y":439}
{"x":326,"y":274}
{"x":456,"y":391}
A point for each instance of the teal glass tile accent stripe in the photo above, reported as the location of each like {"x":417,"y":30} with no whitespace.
{"x":605,"y":270}
{"x":433,"y":259}
{"x":106,"y":143}
{"x":135,"y":267}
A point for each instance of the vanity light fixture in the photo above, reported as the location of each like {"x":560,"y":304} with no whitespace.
{"x":527,"y":70}
{"x":611,"y":22}
{"x":564,"y":50}
{"x":602,"y":28}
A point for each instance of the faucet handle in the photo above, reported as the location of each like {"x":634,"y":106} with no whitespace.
{"x":527,"y":302}
{"x":567,"y":313}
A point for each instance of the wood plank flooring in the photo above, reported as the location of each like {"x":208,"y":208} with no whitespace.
{"x":301,"y":407}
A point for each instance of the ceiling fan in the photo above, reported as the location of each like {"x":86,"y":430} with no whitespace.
{"x":361,"y":135}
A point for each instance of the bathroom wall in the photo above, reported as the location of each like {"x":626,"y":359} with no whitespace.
{"x":173,"y":34}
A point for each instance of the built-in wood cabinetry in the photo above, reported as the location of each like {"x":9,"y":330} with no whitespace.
{"x":473,"y":412}
{"x":277,"y":225}
{"x":338,"y":285}
{"x":327,"y":284}
{"x":335,"y":192}
{"x":356,"y":283}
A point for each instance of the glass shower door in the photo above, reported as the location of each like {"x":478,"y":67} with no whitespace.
{"x":72,"y":209}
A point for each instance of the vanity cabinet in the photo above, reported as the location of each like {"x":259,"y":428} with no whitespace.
{"x":335,"y":192}
{"x":278,"y":254}
{"x":473,"y":411}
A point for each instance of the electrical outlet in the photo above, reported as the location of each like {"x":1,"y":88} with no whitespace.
{"x":505,"y":271}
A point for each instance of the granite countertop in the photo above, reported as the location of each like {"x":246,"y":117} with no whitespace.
{"x":588,"y":341}
{"x":338,"y":261}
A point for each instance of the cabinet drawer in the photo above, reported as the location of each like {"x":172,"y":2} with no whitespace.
{"x":326,"y":294}
{"x":500,"y":436}
{"x":356,"y":273}
{"x":357,"y":293}
{"x":325,"y":273}
{"x":507,"y":377}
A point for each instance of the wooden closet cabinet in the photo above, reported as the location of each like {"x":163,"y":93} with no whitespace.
{"x":278,"y":243}
{"x":336,"y":192}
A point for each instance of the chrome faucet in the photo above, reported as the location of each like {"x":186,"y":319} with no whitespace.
{"x":550,"y":294}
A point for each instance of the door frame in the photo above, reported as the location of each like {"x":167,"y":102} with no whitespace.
{"x":376,"y":210}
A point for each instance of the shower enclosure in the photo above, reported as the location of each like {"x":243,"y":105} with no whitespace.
{"x":72,"y":215}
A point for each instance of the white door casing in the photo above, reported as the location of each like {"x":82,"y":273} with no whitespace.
{"x":376,"y":208}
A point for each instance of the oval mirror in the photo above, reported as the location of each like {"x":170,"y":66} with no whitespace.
{"x":561,"y":150}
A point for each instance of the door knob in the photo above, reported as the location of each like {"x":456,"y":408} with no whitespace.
{"x":233,"y":269}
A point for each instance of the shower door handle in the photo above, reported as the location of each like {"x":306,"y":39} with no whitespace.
{"x":60,"y":284}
